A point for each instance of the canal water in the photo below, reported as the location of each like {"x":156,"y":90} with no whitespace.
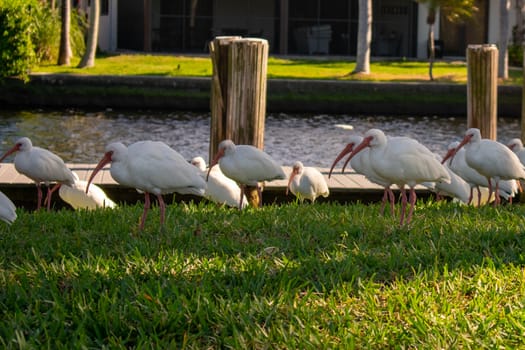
{"x":80,"y":136}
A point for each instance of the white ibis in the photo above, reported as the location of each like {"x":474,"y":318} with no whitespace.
{"x":151,"y":167}
{"x":517,"y":147}
{"x":457,"y":188}
{"x":306,"y":183}
{"x":402,"y":160}
{"x":220,"y":189}
{"x":7,"y":209}
{"x":247,"y":165}
{"x":458,"y":164}
{"x":361,"y":164}
{"x":491,"y":159}
{"x":76,"y":196}
{"x":41,"y":166}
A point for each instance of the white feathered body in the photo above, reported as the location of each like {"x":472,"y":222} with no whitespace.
{"x":7,"y":209}
{"x":154,"y":167}
{"x":309,"y":184}
{"x":41,"y":165}
{"x":76,"y":196}
{"x":220,"y":189}
{"x":248,"y":165}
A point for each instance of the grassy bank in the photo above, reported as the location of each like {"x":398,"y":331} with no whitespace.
{"x":293,"y":68}
{"x":302,"y":277}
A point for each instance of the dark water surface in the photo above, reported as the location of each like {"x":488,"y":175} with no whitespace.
{"x":315,"y":139}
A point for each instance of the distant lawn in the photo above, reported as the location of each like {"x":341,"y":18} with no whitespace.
{"x":278,"y":68}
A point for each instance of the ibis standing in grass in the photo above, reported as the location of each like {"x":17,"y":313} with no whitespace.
{"x":360,"y":162}
{"x":307,"y":183}
{"x":458,"y":164}
{"x":219,"y":188}
{"x":151,"y":167}
{"x":491,"y":159}
{"x":41,"y":166}
{"x":402,"y":161}
{"x":247,"y":165}
{"x":77,"y":197}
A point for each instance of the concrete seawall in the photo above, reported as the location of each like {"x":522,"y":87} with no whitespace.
{"x":284,"y":95}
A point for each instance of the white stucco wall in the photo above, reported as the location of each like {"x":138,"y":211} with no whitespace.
{"x":493,"y":34}
{"x":107,"y":31}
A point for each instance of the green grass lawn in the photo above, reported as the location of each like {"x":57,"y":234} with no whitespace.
{"x":322,"y":276}
{"x":297,"y":68}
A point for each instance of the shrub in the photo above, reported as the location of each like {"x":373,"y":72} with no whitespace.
{"x":46,"y":36}
{"x":17,"y":53}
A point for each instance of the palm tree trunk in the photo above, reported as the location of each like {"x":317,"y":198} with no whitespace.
{"x":64,"y":52}
{"x":503,"y":59}
{"x":431,"y":51}
{"x":364,"y":37}
{"x":88,"y":60}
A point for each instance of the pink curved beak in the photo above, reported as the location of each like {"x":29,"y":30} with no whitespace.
{"x":214,"y":162}
{"x":452,"y":153}
{"x":365,"y":143}
{"x":105,"y":160}
{"x":13,"y":149}
{"x":292,"y":175}
{"x":348,"y":148}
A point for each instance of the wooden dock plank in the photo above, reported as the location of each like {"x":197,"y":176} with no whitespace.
{"x":349,"y":180}
{"x":344,"y":188}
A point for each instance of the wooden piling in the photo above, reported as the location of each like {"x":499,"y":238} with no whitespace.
{"x":482,"y":89}
{"x":239,"y":114}
{"x":246,"y":111}
{"x":219,"y":53}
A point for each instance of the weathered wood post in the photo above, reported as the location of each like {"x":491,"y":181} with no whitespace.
{"x":243,"y":100}
{"x":482,"y":89}
{"x":219,"y":53}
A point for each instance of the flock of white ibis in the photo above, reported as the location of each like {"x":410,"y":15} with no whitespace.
{"x":405,"y":162}
{"x":152,"y":167}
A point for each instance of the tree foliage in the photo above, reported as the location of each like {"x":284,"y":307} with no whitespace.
{"x":17,"y":54}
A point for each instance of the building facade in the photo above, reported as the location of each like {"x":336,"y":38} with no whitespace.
{"x":292,"y":27}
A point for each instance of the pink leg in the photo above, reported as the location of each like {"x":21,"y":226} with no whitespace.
{"x":479,"y":196}
{"x":403,"y":205}
{"x":471,"y":195}
{"x":497,"y":198}
{"x":392,"y":200}
{"x":412,"y":204}
{"x":490,"y":190}
{"x":383,"y":201}
{"x":147,"y":204}
{"x":162,"y":206}
{"x":49,"y":194}
{"x":242,"y":196}
{"x":38,"y":196}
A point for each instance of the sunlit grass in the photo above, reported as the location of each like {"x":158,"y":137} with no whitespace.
{"x":290,"y":276}
{"x":138,"y":65}
{"x":292,"y":68}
